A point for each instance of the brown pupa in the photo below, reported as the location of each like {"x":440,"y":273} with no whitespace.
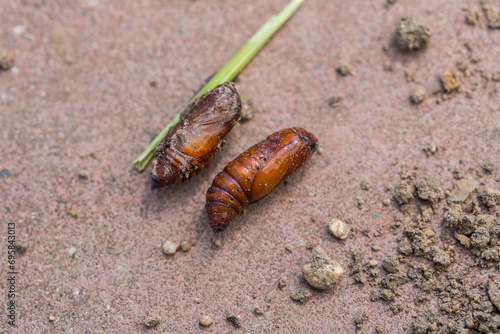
{"x":196,"y":138}
{"x":256,"y":172}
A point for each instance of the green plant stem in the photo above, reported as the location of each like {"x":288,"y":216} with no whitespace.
{"x":227,"y":73}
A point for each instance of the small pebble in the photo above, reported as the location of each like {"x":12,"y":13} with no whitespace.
{"x":4,"y":174}
{"x":152,"y":320}
{"x":52,"y":318}
{"x":365,"y":185}
{"x":83,"y":174}
{"x":185,"y":246}
{"x":21,"y":246}
{"x":334,"y":101}
{"x":169,"y":247}
{"x":323,"y":273}
{"x":320,"y":150}
{"x":375,"y":248}
{"x":6,"y":60}
{"x":217,"y":242}
{"x":73,"y":214}
{"x":339,"y":229}
{"x":19,"y":30}
{"x":235,"y":320}
{"x":289,"y":248}
{"x":344,"y":69}
{"x":258,"y":311}
{"x":282,"y":283}
{"x":411,"y":274}
{"x":386,"y":202}
{"x":418,"y":95}
{"x":72,"y":252}
{"x":206,"y":320}
{"x":311,"y":245}
{"x":302,"y":296}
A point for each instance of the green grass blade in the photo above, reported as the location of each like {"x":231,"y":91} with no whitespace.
{"x":227,"y":73}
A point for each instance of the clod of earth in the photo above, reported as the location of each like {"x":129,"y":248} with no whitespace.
{"x":451,"y":81}
{"x":302,"y":296}
{"x":411,"y":34}
{"x":235,"y":320}
{"x":152,"y":321}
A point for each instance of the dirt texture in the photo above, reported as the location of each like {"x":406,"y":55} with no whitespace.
{"x":94,"y":81}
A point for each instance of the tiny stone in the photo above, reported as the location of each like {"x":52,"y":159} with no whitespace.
{"x":375,"y":248}
{"x":206,"y":320}
{"x":334,"y":101}
{"x":21,"y":246}
{"x":320,"y":151}
{"x":411,"y":274}
{"x":73,"y":214}
{"x":323,"y":273}
{"x":152,"y":321}
{"x":365,"y":185}
{"x":344,"y":69}
{"x":409,"y":75}
{"x":386,"y":202}
{"x":310,"y":245}
{"x":258,"y":311}
{"x":247,"y":110}
{"x":235,"y":320}
{"x":83,"y":174}
{"x":6,"y":60}
{"x":282,"y":283}
{"x":339,"y":229}
{"x":169,"y":247}
{"x":430,"y":150}
{"x":4,"y":174}
{"x":52,"y":318}
{"x":185,"y":246}
{"x":19,"y":30}
{"x":72,"y":252}
{"x":302,"y":296}
{"x":473,"y":17}
{"x":418,"y":95}
{"x":217,"y":242}
{"x":289,"y":248}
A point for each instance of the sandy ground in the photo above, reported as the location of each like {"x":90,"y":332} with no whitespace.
{"x":80,"y":98}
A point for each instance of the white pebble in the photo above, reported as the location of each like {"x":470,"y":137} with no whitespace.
{"x":19,"y":30}
{"x":339,"y":229}
{"x":170,"y":247}
{"x":72,"y":252}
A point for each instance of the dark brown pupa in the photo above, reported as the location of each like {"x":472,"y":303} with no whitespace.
{"x":256,"y":172}
{"x":196,"y":138}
